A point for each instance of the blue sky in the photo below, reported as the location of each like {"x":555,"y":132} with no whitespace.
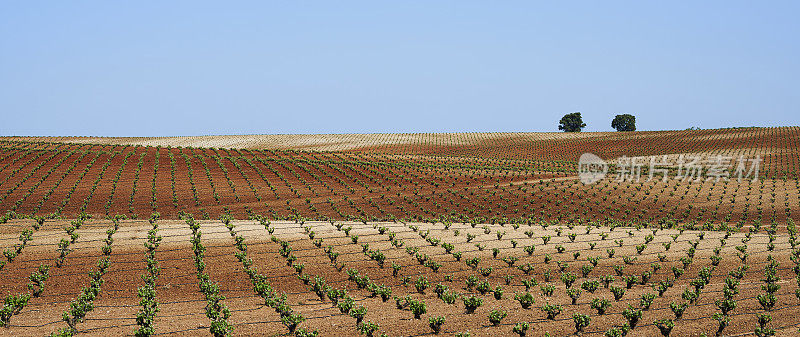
{"x":161,"y":68}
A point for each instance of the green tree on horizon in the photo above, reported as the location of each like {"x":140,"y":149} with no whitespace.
{"x":624,"y":122}
{"x":571,"y":122}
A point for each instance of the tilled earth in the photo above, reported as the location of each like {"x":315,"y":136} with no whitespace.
{"x":182,"y":304}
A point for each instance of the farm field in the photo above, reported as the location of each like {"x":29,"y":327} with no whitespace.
{"x":361,"y":233}
{"x":644,"y":271}
{"x":468,"y":177}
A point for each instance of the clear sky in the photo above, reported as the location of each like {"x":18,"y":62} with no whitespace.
{"x":161,"y":68}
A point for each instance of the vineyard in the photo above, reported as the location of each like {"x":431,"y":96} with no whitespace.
{"x":396,"y":234}
{"x":459,"y":177}
{"x":345,"y":278}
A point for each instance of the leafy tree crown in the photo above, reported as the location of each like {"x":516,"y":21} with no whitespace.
{"x":624,"y":122}
{"x":571,"y":122}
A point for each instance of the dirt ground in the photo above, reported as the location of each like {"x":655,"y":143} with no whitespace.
{"x":182,"y":305}
{"x":105,"y":180}
{"x":778,"y":146}
{"x":498,"y":193}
